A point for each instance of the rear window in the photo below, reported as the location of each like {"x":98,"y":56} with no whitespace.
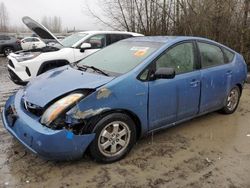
{"x":4,"y":37}
{"x":229,"y":55}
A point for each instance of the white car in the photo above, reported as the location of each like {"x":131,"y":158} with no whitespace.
{"x":29,"y":43}
{"x":25,"y":65}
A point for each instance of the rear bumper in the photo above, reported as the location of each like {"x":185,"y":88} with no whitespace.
{"x":47,"y":143}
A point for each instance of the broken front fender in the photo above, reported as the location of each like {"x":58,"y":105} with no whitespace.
{"x":112,"y":97}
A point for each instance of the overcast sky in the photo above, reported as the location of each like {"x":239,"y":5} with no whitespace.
{"x":72,"y":12}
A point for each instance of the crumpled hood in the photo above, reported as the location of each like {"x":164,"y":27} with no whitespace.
{"x":60,"y":81}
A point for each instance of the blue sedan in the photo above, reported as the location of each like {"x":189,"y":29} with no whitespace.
{"x":107,"y":101}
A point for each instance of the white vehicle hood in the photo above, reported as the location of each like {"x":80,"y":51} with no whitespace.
{"x":39,"y":29}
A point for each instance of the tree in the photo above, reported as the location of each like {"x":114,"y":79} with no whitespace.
{"x":54,"y":24}
{"x":226,"y":21}
{"x":4,"y":18}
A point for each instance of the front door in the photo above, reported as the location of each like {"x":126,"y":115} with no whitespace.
{"x":171,"y":100}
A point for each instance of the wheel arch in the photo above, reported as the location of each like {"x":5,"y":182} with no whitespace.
{"x":129,"y":113}
{"x":240,"y":87}
{"x":53,"y":64}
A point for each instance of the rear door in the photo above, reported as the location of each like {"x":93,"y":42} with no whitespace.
{"x":216,"y":76}
{"x":171,"y":100}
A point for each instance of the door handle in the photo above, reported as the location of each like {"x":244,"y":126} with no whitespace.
{"x":229,"y":72}
{"x":194,"y":83}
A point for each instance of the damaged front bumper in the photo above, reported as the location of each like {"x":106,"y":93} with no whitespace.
{"x":43,"y":141}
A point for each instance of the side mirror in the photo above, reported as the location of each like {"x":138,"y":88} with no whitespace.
{"x":85,"y":46}
{"x":164,"y":73}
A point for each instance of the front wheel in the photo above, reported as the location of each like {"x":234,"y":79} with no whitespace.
{"x":115,"y":136}
{"x":232,"y":102}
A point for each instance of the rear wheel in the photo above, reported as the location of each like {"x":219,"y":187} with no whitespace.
{"x":233,"y":99}
{"x":7,"y":51}
{"x":115,"y":136}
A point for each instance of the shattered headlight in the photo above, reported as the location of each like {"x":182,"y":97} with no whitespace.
{"x":27,"y":56}
{"x":60,"y":106}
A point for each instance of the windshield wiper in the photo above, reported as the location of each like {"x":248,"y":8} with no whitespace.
{"x":85,"y":67}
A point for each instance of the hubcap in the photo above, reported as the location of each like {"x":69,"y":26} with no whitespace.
{"x":7,"y":51}
{"x":114,"y":138}
{"x":232,"y":99}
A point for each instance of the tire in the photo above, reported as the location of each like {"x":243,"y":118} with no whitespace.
{"x":232,"y":102}
{"x":7,"y":51}
{"x":115,"y":137}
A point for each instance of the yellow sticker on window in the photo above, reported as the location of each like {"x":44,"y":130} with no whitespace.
{"x":140,"y":53}
{"x":139,"y":50}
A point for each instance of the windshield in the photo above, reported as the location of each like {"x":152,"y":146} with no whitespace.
{"x":72,"y":39}
{"x":121,"y":57}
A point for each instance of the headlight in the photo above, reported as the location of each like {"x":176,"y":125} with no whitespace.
{"x":27,"y":56}
{"x":58,"y":107}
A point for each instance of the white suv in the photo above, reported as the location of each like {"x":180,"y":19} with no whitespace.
{"x":25,"y":65}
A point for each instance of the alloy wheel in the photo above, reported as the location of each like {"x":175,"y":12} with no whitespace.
{"x":232,"y":99}
{"x":114,"y":138}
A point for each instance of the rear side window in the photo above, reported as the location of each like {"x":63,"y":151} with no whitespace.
{"x":211,"y":55}
{"x":229,"y":55}
{"x":126,"y":36}
{"x":116,"y":37}
{"x":28,"y":40}
{"x":35,"y":40}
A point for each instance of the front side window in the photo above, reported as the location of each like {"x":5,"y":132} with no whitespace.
{"x":97,"y":41}
{"x":211,"y":55}
{"x":121,"y":57}
{"x":180,"y":57}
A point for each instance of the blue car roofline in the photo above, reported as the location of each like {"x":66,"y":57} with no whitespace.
{"x":171,"y":39}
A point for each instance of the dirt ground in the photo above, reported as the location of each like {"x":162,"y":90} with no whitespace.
{"x":210,"y":151}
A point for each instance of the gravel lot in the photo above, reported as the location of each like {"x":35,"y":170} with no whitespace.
{"x":210,"y":151}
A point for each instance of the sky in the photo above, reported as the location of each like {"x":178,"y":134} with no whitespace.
{"x":72,"y":12}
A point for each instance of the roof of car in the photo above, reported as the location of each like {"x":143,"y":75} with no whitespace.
{"x":163,"y":39}
{"x":172,"y":39}
{"x":114,"y":32}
